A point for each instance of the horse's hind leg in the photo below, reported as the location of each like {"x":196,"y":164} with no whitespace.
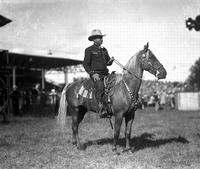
{"x":77,"y":116}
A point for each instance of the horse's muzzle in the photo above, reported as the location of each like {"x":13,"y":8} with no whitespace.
{"x":161,"y":73}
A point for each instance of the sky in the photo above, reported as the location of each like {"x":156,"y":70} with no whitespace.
{"x":63,"y":26}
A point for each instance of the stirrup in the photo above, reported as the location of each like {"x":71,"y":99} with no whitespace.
{"x":103,"y":113}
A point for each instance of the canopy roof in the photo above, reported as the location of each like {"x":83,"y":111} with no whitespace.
{"x":26,"y":61}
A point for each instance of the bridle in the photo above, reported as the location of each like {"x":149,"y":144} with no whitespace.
{"x":132,"y":73}
{"x":156,"y":71}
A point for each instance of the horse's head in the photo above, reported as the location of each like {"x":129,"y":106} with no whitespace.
{"x":151,"y":64}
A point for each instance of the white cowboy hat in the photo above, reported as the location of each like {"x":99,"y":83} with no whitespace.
{"x":95,"y":33}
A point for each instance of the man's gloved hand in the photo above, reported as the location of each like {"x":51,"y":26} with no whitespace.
{"x":95,"y":77}
{"x":111,"y":60}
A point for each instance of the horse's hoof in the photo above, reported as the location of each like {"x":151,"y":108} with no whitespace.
{"x":133,"y":150}
{"x":74,"y":142}
{"x":116,"y":153}
{"x":82,"y":147}
{"x":126,"y":150}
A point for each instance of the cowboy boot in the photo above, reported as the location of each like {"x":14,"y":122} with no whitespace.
{"x":109,"y":110}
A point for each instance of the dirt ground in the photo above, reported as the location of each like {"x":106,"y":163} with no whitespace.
{"x":167,"y":139}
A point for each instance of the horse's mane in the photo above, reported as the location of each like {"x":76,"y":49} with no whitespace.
{"x":132,"y":61}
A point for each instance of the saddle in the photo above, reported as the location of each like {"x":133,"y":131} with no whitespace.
{"x":87,"y":89}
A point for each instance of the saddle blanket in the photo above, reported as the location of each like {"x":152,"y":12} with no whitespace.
{"x":87,"y":88}
{"x":85,"y":92}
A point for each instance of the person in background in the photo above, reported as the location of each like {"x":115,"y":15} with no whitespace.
{"x":15,"y":96}
{"x":95,"y":64}
{"x":172,"y":100}
{"x":27,"y":101}
{"x":35,"y":93}
{"x":157,"y":101}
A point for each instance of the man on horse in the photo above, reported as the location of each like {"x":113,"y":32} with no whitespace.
{"x":95,"y":64}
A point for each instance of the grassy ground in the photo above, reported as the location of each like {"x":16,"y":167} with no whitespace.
{"x":166,"y":139}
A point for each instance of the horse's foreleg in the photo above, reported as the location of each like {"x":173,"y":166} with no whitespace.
{"x":118,"y":122}
{"x":77,"y":117}
{"x":128,"y":125}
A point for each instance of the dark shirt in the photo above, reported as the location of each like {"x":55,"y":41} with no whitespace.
{"x":34,"y":92}
{"x":96,"y":60}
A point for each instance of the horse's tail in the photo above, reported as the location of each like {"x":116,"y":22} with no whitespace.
{"x":62,"y":108}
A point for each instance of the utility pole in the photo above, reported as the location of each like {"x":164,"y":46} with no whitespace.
{"x":6,"y":112}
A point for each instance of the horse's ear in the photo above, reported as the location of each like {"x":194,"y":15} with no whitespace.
{"x":146,"y":46}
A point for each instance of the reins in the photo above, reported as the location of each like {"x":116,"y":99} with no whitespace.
{"x":123,"y":67}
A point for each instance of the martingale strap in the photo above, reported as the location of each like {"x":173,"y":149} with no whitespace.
{"x":133,"y":101}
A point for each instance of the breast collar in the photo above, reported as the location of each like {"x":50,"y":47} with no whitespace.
{"x":129,"y":91}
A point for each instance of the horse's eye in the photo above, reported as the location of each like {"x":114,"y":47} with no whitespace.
{"x":150,"y":63}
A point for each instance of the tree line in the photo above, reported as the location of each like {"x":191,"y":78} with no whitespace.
{"x":194,"y":78}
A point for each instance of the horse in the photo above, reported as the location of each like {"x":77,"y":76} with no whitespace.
{"x":123,"y":99}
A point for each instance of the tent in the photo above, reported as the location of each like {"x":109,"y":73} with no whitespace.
{"x":17,"y":62}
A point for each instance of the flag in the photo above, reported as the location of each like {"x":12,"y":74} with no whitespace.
{"x":4,"y":20}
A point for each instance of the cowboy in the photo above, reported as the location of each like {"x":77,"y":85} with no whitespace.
{"x":95,"y":64}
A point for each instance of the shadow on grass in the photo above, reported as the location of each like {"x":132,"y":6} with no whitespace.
{"x":146,"y":140}
{"x":5,"y":122}
{"x":194,"y":117}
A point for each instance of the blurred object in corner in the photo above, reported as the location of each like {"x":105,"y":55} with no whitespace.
{"x":4,"y":20}
{"x":193,"y":23}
